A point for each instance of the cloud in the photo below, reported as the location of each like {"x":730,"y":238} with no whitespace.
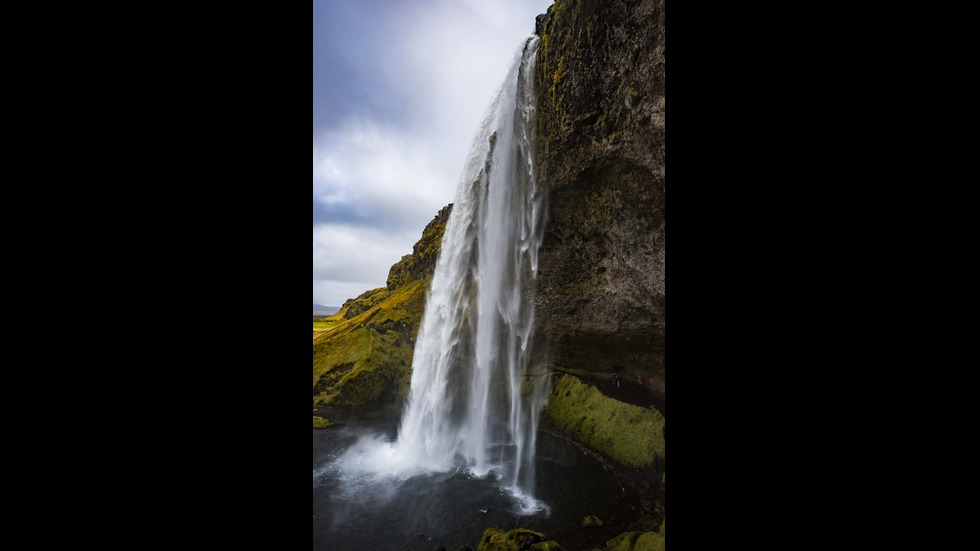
{"x":349,"y":260}
{"x":399,"y":90}
{"x":366,"y":174}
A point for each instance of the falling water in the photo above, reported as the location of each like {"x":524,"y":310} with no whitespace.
{"x":473,"y":405}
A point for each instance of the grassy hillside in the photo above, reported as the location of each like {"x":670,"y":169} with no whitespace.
{"x":368,"y":358}
{"x":363,"y":353}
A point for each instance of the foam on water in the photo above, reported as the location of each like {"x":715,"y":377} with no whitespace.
{"x":527,"y":504}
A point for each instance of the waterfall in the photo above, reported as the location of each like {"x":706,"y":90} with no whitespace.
{"x":472,"y":401}
{"x":473,"y":405}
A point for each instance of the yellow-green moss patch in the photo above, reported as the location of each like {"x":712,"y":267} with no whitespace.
{"x":519,"y":539}
{"x":629,"y":434}
{"x":321,"y":423}
{"x":637,"y":541}
{"x":363,"y":359}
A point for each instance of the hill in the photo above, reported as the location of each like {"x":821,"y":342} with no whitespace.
{"x":367,"y":356}
{"x":321,"y":310}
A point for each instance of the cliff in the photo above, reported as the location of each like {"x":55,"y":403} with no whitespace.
{"x":600,"y":291}
{"x":422,"y":262}
{"x":601,"y":126}
{"x":367,"y":356}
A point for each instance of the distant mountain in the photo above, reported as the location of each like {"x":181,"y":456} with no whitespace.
{"x":321,"y":310}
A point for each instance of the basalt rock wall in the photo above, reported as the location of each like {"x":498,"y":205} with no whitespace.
{"x":601,"y":127}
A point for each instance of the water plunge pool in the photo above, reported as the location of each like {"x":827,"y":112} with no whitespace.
{"x":454,"y":508}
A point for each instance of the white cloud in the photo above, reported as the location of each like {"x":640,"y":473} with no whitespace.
{"x":453,"y":56}
{"x":384,"y":178}
{"x":381,"y":176}
{"x":349,"y":260}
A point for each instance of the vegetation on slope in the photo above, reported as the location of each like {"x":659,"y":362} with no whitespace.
{"x":631,"y":435}
{"x":363,"y":353}
{"x":367,"y":358}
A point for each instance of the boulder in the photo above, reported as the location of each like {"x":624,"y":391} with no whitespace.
{"x":519,"y":539}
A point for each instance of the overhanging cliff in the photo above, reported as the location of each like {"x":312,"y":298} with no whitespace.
{"x":601,"y":126}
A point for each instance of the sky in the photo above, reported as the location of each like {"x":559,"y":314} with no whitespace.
{"x":399,"y":89}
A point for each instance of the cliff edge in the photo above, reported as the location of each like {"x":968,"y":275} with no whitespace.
{"x":601,"y":127}
{"x":366,"y":356}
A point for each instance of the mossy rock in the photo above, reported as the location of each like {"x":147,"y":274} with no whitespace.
{"x":321,"y":423}
{"x":650,"y":541}
{"x":623,"y":542}
{"x":519,"y":539}
{"x":363,"y":360}
{"x":639,"y":541}
{"x":591,"y":521}
{"x":629,"y":434}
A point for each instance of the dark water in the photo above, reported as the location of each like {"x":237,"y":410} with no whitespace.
{"x":453,"y":509}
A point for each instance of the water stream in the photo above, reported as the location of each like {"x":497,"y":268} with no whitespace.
{"x":465,"y":454}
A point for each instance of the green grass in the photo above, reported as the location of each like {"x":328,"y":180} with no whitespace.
{"x":324,"y":324}
{"x":356,"y":364}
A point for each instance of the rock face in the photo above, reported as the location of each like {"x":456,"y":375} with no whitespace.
{"x":601,"y":126}
{"x":422,"y":262}
{"x":354,"y":307}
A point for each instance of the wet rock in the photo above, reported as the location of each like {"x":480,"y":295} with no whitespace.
{"x":601,"y":106}
{"x":591,"y":521}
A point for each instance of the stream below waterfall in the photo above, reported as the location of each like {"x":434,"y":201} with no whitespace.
{"x":452,"y":509}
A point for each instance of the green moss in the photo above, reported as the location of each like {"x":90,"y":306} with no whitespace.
{"x":519,"y":539}
{"x":559,"y":74}
{"x":363,"y":361}
{"x":321,"y":423}
{"x":650,"y":541}
{"x":581,"y":288}
{"x":637,"y":541}
{"x":623,"y":542}
{"x":628,"y":434}
{"x":591,"y":521}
